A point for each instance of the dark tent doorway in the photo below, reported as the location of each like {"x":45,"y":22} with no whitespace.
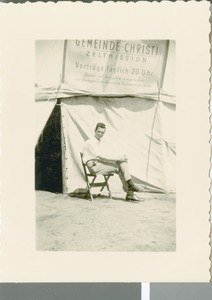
{"x":48,"y":160}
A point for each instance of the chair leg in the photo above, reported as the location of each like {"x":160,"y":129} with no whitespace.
{"x":91,"y":196}
{"x":89,"y":192}
{"x":89,"y":184}
{"x":107,"y":185}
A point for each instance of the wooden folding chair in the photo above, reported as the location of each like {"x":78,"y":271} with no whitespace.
{"x":91,"y":178}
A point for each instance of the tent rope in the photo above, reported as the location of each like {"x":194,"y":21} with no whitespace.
{"x":56,"y":94}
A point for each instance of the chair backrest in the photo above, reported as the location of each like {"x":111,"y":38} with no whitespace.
{"x":85,"y":168}
{"x":84,"y":165}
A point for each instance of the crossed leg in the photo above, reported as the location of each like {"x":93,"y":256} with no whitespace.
{"x":120,"y":168}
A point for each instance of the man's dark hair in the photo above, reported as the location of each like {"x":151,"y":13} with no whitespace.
{"x":102,"y":125}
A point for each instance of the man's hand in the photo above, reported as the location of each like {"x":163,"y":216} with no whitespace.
{"x":123,"y":158}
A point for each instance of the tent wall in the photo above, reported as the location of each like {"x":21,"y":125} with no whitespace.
{"x":142,"y":129}
{"x":48,"y":59}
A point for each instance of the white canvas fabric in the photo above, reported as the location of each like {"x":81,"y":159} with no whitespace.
{"x":142,"y":129}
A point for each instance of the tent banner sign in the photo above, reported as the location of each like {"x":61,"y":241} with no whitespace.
{"x":117,"y":67}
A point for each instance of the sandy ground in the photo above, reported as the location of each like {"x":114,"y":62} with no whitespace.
{"x":65,"y":223}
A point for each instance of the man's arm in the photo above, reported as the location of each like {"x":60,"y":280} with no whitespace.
{"x":119,"y":158}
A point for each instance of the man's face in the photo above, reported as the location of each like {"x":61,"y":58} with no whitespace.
{"x":99,"y":132}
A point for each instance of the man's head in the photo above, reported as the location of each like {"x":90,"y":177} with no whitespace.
{"x":100,"y":130}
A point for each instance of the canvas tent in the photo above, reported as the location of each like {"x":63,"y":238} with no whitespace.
{"x":129,"y":85}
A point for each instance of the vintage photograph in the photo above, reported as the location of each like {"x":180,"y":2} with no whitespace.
{"x":105,"y":142}
{"x":106,"y":145}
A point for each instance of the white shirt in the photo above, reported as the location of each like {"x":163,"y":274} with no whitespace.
{"x":92,"y":148}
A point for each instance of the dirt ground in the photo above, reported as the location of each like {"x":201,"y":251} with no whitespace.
{"x":65,"y":223}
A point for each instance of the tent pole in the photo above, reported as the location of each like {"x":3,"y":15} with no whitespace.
{"x":152,"y":134}
{"x":64,"y":61}
{"x":151,"y":139}
{"x":163,"y":69}
{"x":159,"y":84}
{"x":64,"y":188}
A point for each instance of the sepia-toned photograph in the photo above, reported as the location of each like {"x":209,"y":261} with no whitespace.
{"x":92,"y":189}
{"x":106,"y":145}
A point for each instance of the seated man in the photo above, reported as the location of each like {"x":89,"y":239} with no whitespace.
{"x":98,"y":162}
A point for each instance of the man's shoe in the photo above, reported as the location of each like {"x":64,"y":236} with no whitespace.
{"x":132,"y":197}
{"x":134,"y":188}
